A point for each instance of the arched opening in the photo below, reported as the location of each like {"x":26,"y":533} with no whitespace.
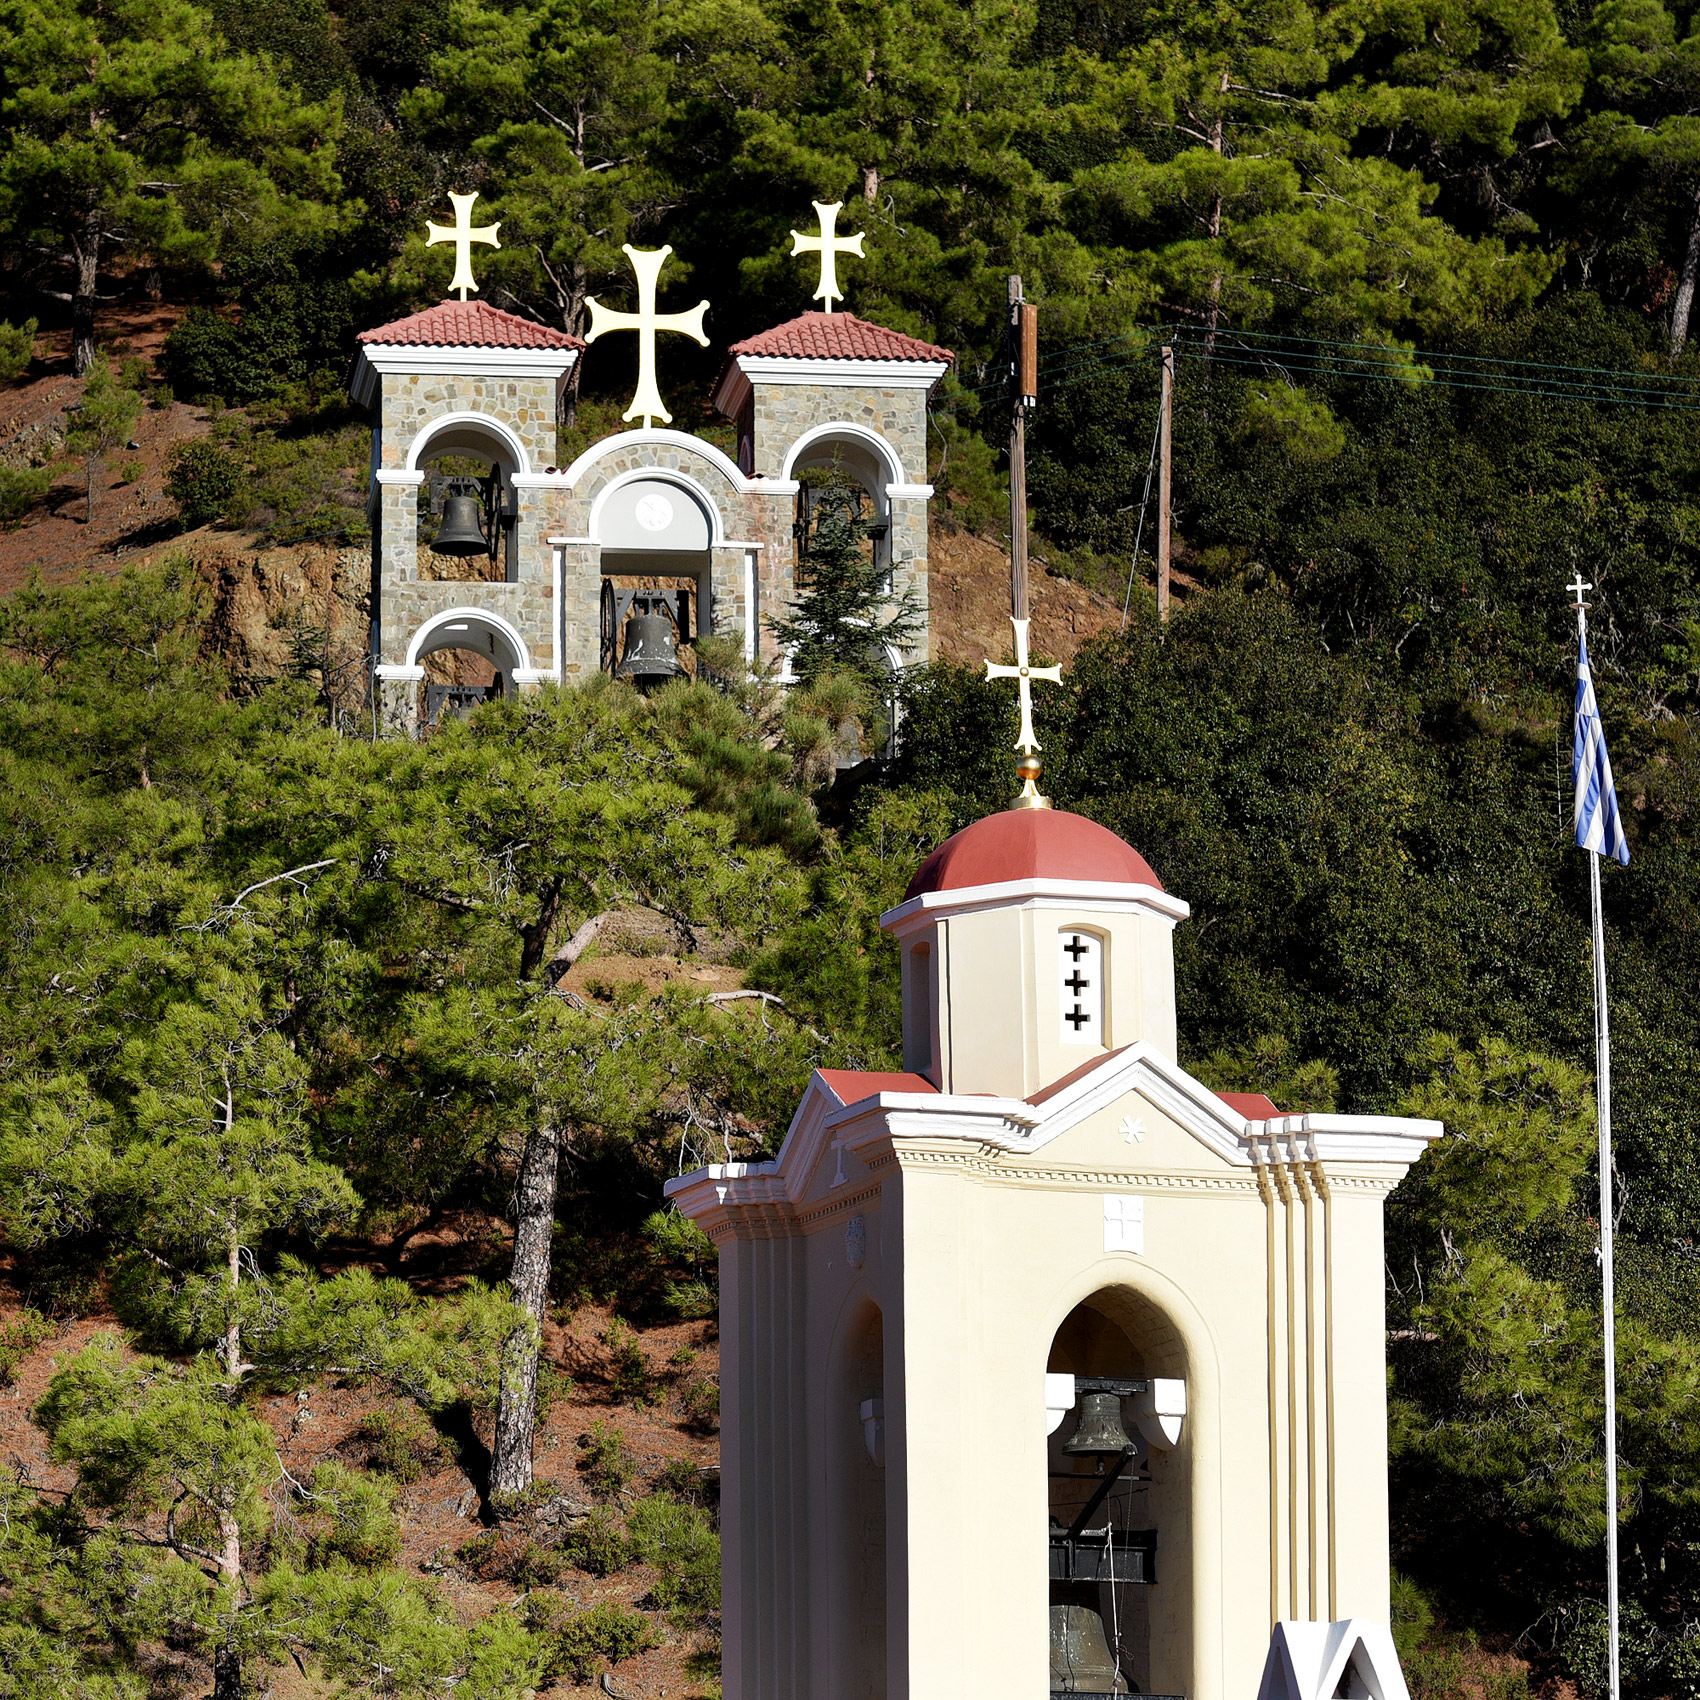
{"x":467,"y":515}
{"x":833,"y":459}
{"x":1120,"y":1552}
{"x":858,"y":1475}
{"x":469,"y":657}
{"x":657,"y":535}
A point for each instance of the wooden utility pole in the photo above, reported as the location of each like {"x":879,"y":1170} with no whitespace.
{"x":1024,"y":369}
{"x":1165,"y":433}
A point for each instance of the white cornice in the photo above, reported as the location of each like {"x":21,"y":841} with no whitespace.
{"x":931,"y":906}
{"x":885,"y":1120}
{"x":747,"y":369}
{"x":661,"y":438}
{"x":378,"y":359}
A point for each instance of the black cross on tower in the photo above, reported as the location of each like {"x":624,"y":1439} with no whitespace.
{"x":1076,"y":983}
{"x":1076,"y":947}
{"x":1077,"y":1018}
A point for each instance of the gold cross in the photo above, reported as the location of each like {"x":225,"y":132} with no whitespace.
{"x":829,"y":245}
{"x":1028,"y":745}
{"x":647,"y":263}
{"x":463,"y":236}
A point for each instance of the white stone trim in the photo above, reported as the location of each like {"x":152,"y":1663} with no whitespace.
{"x":532,"y":676}
{"x":482,"y":421}
{"x":377,"y":360}
{"x":856,"y":433}
{"x":661,"y":438}
{"x":391,"y":475}
{"x":1040,"y":893}
{"x":894,"y":374}
{"x":392,"y":674}
{"x":665,"y":475}
{"x":471,"y":616}
{"x":919,"y":492}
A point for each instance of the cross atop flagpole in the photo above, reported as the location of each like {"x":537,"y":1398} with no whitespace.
{"x":1599,"y":830}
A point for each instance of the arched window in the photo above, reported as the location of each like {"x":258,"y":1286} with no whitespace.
{"x":918,"y":1008}
{"x":1082,"y":969}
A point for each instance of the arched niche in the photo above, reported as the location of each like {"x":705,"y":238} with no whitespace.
{"x":857,"y":1473}
{"x":1119,"y":1525}
{"x":468,"y":655}
{"x":467,"y":445}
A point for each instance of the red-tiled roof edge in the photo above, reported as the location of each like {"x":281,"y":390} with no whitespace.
{"x":836,"y":336}
{"x":851,"y":1086}
{"x":1252,"y":1105}
{"x":1090,"y":1066}
{"x":437,"y":327}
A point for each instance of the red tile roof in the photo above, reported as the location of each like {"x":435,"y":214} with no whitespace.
{"x":1252,"y":1105}
{"x":852,"y":1086}
{"x":838,"y":336}
{"x":1028,"y":844}
{"x":1090,"y":1066}
{"x":469,"y":324}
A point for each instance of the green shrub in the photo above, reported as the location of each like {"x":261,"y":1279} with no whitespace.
{"x":496,"y":1556}
{"x":482,"y":1555}
{"x":17,"y":348}
{"x":18,"y":1338}
{"x":401,"y":1443}
{"x":679,"y":1543}
{"x":552,"y":1384}
{"x":628,"y":1367}
{"x":699,"y":1400}
{"x":598,"y":1545}
{"x":133,"y":374}
{"x":600,"y":1637}
{"x":21,"y":487}
{"x":203,"y":481}
{"x":605,"y":1461}
{"x":354,"y":1519}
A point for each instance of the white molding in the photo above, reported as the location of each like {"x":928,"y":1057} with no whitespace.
{"x":539,"y":480}
{"x":843,"y":428}
{"x":929,"y":906}
{"x":533,"y":675}
{"x":664,"y":475}
{"x":572,"y":542}
{"x":434,"y":428}
{"x":472,"y":616}
{"x":378,"y":360}
{"x":919,"y":492}
{"x":392,"y":674}
{"x":716,"y":458}
{"x":891,"y":374}
{"x":406,"y":480}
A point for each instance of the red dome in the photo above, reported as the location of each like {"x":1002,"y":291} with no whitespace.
{"x":1030,"y":844}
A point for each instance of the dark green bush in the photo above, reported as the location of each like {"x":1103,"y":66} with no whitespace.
{"x":17,"y":348}
{"x":354,"y":1518}
{"x":21,"y":487}
{"x":18,"y":1338}
{"x":679,"y":1543}
{"x":604,"y":1460}
{"x":598,"y":1545}
{"x":401,"y":1443}
{"x":604,"y":1635}
{"x":203,"y":481}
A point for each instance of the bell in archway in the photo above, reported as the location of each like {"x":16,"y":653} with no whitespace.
{"x":651,"y":652}
{"x":1080,"y":1654}
{"x":461,"y":533}
{"x":1099,"y":1430}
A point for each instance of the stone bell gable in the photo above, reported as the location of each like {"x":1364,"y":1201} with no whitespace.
{"x":643,"y":507}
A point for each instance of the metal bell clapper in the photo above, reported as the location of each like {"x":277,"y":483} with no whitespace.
{"x":461,"y":533}
{"x":1099,"y":1432}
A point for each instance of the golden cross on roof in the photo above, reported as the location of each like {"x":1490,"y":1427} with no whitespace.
{"x":829,"y":245}
{"x":1029,"y":766}
{"x":463,"y":236}
{"x":647,"y":263}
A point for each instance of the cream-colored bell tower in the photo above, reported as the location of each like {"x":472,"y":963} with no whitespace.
{"x":1045,"y":1369}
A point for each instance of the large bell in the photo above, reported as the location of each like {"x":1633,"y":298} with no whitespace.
{"x":461,"y":533}
{"x":651,"y":652}
{"x":1099,"y":1431}
{"x":1080,"y":1654}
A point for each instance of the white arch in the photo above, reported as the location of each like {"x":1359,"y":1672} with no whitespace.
{"x":858,"y":433}
{"x":666,"y":475}
{"x":473,"y":617}
{"x":481,"y":421}
{"x":661,"y":439}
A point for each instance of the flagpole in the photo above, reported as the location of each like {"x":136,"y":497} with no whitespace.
{"x":1602,"y":1093}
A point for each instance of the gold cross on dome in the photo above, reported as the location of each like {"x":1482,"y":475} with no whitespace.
{"x":463,"y":236}
{"x":647,"y":264}
{"x":829,"y":245}
{"x":1028,"y":745}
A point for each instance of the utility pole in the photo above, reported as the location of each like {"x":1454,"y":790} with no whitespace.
{"x":1165,"y":434}
{"x":1024,"y":369}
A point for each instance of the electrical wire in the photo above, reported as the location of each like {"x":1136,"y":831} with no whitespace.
{"x":1144,"y":502}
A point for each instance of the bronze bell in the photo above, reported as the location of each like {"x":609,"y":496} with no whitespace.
{"x":1099,"y":1430}
{"x":651,"y":652}
{"x":461,"y":533}
{"x":1080,"y":1653}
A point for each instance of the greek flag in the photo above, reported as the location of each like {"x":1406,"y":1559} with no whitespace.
{"x":1598,"y":827}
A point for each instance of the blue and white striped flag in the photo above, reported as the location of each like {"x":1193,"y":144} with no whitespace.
{"x":1597,"y":824}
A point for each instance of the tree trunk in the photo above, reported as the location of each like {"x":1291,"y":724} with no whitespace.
{"x":516,"y":1410}
{"x":534,"y":940}
{"x":1684,"y":302}
{"x":227,"y":1661}
{"x":871,"y":184}
{"x":87,"y":255}
{"x":233,"y":1328}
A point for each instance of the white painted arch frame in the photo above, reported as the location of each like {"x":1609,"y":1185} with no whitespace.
{"x":522,"y":672}
{"x":665,"y":475}
{"x":886,"y":454}
{"x":479,"y":421}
